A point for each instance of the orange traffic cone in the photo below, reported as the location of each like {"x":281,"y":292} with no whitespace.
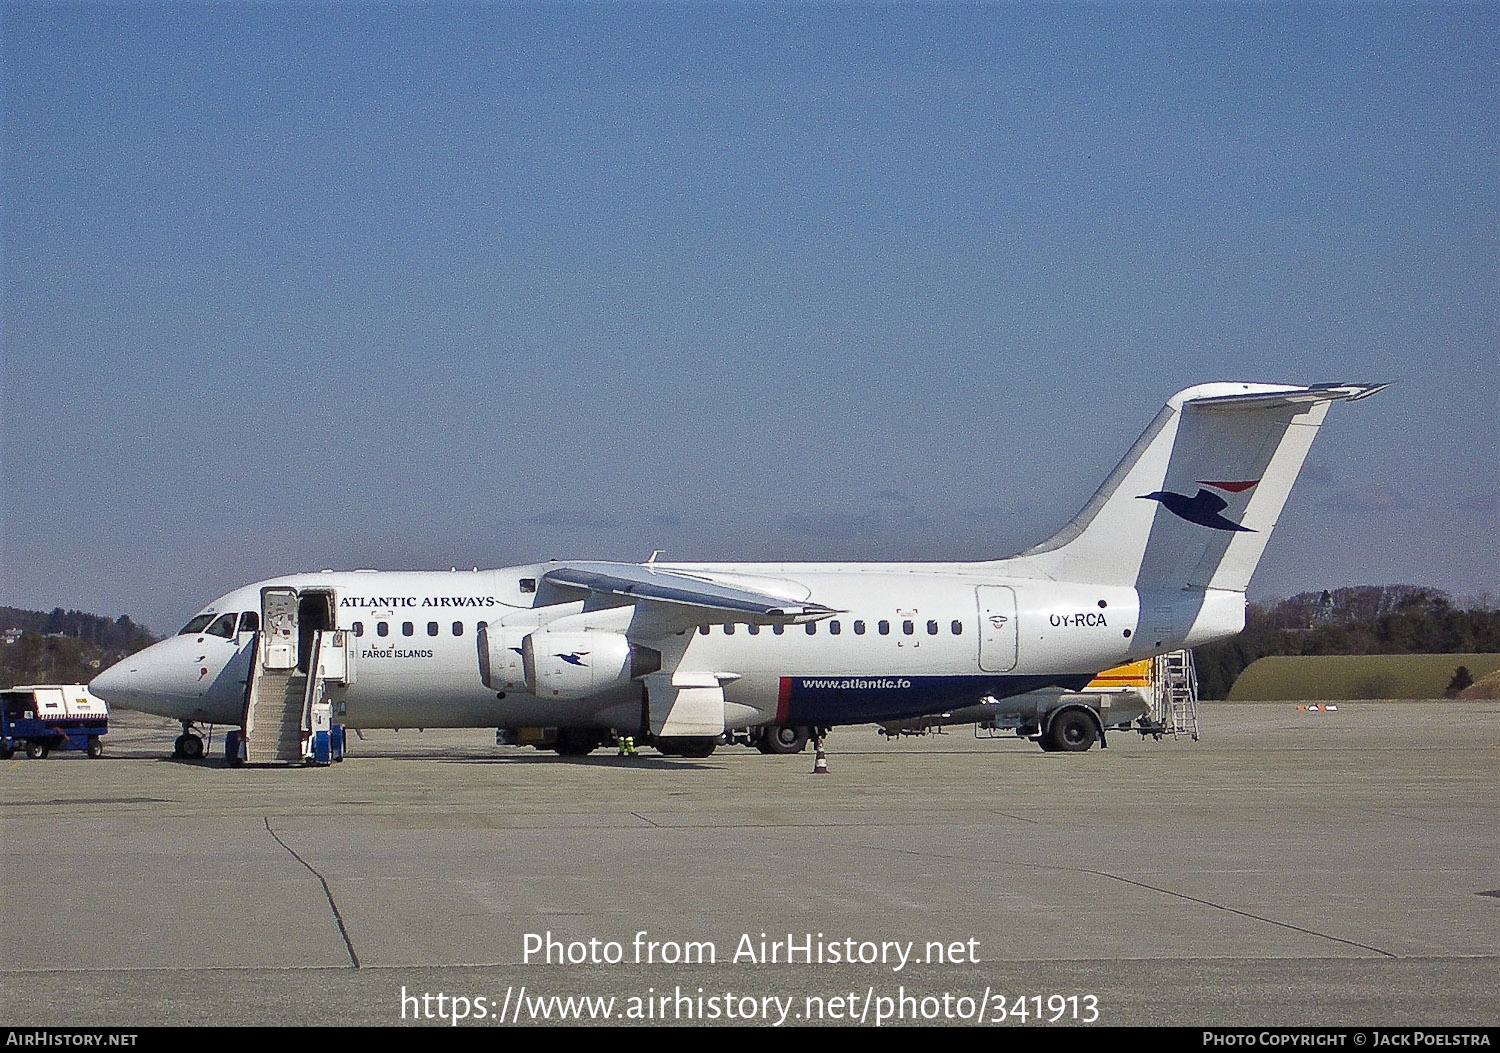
{"x":820,"y":763}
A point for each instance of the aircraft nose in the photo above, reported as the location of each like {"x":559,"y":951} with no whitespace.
{"x":118,"y":684}
{"x":138,"y":681}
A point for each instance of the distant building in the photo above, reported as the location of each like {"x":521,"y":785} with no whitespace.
{"x":12,"y":635}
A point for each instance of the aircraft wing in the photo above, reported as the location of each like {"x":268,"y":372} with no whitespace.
{"x":642,"y":581}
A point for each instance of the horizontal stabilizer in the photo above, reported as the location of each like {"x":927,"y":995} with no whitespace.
{"x":1295,"y":396}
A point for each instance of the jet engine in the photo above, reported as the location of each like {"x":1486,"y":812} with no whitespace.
{"x":580,"y":664}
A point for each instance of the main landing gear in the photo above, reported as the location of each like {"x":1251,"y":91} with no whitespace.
{"x":783,"y":739}
{"x":694,"y":747}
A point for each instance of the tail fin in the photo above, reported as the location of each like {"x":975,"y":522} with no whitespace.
{"x":1193,"y":503}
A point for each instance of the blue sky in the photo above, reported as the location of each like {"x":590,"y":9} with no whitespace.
{"x":300,"y":286}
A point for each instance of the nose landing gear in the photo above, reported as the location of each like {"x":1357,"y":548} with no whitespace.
{"x":189,"y":745}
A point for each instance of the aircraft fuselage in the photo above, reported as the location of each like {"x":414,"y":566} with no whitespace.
{"x":908,"y":639}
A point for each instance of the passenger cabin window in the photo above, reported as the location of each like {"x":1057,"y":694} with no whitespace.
{"x":753,"y":630}
{"x":728,"y":628}
{"x":528,"y":586}
{"x":958,"y":627}
{"x":932,"y":629}
{"x":859,"y":628}
{"x":884,"y":627}
{"x":197,"y":625}
{"x":382,"y":628}
{"x":432,"y":628}
{"x":908,"y":627}
{"x":834,"y":628}
{"x":458,"y":628}
{"x":249,"y":622}
{"x":359,"y":628}
{"x":812,"y":628}
{"x":778,"y":629}
{"x":224,"y":625}
{"x":407,"y":628}
{"x":703,"y":629}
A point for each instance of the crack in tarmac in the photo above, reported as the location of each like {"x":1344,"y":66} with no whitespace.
{"x":327,"y":893}
{"x":1152,"y":888}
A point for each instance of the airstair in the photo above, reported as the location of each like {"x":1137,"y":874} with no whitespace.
{"x":274,"y":700}
{"x":287,"y":717}
{"x":279,"y":706}
{"x":1174,"y":689}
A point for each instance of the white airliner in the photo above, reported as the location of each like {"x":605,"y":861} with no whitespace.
{"x":1158,"y":559}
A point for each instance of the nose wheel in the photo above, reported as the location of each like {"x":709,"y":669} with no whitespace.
{"x":189,"y":745}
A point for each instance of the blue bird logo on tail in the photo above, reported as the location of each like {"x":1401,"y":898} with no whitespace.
{"x":1203,"y":508}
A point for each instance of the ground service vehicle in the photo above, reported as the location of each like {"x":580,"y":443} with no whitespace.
{"x":40,"y":718}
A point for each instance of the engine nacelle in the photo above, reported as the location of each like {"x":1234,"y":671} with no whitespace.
{"x":580,"y":664}
{"x":500,"y":657}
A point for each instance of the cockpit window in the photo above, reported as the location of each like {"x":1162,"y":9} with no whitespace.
{"x":224,"y":625}
{"x":249,"y":622}
{"x":197,"y":625}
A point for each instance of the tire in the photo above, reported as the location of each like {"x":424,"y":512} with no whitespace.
{"x":693,"y":747}
{"x":36,"y":750}
{"x":6,"y":753}
{"x":573,"y":742}
{"x":96,"y":748}
{"x":1072,"y":731}
{"x":191,"y":747}
{"x":784,"y":739}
